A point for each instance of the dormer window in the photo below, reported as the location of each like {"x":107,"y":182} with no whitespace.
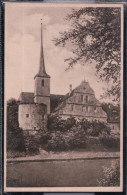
{"x":42,"y":83}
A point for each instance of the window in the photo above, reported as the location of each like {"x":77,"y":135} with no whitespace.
{"x":44,"y":116}
{"x":42,"y":83}
{"x":87,"y":108}
{"x":81,"y":98}
{"x":71,"y":107}
{"x":83,"y":108}
{"x":27,"y":115}
{"x":34,"y":128}
{"x":87,"y":98}
{"x":74,"y":98}
{"x":95,"y":108}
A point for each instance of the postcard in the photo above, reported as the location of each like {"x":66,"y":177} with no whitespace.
{"x":63,"y":97}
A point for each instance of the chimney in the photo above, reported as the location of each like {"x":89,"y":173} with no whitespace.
{"x":70,"y":87}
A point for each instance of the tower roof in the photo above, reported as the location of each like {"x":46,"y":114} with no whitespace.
{"x":42,"y":71}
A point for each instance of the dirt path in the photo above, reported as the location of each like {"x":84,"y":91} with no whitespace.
{"x":66,"y":156}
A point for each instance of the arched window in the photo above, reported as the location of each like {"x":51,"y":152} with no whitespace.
{"x":42,"y":83}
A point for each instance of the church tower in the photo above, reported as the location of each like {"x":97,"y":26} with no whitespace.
{"x":42,"y":81}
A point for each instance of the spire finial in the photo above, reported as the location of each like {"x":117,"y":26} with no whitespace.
{"x":42,"y":71}
{"x":41,"y":33}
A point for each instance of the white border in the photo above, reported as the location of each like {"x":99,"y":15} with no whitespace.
{"x":69,"y":189}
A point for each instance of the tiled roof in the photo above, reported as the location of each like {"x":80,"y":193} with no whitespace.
{"x":55,"y":100}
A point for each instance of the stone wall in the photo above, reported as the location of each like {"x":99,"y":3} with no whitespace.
{"x":45,"y":100}
{"x":32,"y":116}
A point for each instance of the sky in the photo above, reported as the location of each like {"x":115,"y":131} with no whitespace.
{"x":22,"y":51}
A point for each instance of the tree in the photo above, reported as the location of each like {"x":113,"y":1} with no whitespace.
{"x":15,"y":139}
{"x":12,"y":114}
{"x":95,"y":36}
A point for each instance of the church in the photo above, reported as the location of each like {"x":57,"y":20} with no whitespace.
{"x":34,"y":107}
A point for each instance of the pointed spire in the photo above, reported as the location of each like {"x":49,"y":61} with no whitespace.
{"x":42,"y":71}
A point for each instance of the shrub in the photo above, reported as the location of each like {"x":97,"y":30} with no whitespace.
{"x":70,"y":123}
{"x":110,"y":141}
{"x":15,"y":140}
{"x":32,"y":144}
{"x":93,"y":128}
{"x":56,"y":123}
{"x":99,"y":128}
{"x":45,"y":137}
{"x":111,"y":175}
{"x":67,"y":141}
{"x":57,"y":143}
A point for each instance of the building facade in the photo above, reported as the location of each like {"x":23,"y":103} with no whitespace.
{"x":34,"y":107}
{"x":81,"y":103}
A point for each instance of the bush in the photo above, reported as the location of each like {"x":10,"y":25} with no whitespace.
{"x":67,"y":141}
{"x":57,"y":143}
{"x":44,"y":139}
{"x":72,"y":133}
{"x":99,"y":128}
{"x":93,"y":128}
{"x":111,"y":175}
{"x":110,"y":141}
{"x":56,"y":123}
{"x":32,"y":144}
{"x":15,"y":140}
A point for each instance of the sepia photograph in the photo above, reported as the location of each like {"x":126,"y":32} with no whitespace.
{"x":63,"y":97}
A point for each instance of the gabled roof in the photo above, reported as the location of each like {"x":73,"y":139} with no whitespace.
{"x":84,"y":86}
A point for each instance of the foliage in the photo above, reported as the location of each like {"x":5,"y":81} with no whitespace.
{"x":67,"y":141}
{"x":72,"y":133}
{"x":111,"y":175}
{"x":94,"y":35}
{"x":12,"y":114}
{"x":110,"y":141}
{"x":113,"y":112}
{"x":55,"y":122}
{"x":32,"y":145}
{"x":93,"y":128}
{"x":15,"y":140}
